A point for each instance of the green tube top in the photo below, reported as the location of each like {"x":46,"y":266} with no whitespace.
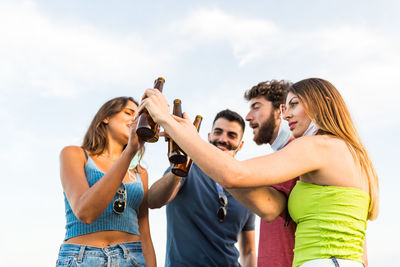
{"x":331,"y":221}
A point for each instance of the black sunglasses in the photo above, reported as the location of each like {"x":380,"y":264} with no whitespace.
{"x":222,"y":210}
{"x":120,"y":203}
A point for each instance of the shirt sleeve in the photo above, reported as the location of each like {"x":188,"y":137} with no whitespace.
{"x":250,"y":224}
{"x":286,"y":187}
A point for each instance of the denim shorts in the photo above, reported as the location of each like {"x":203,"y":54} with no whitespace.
{"x":121,"y":255}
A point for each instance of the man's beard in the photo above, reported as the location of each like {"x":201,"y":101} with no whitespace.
{"x":265,"y":131}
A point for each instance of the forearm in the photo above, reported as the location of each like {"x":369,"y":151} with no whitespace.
{"x":247,"y":249}
{"x":149,"y":253}
{"x":163,"y":190}
{"x":249,"y":260}
{"x":223,"y":166}
{"x":144,"y":227}
{"x":267,"y":202}
{"x":365,"y":254}
{"x":95,"y":200}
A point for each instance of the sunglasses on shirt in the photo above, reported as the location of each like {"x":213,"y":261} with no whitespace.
{"x":222,"y":210}
{"x":120,"y":203}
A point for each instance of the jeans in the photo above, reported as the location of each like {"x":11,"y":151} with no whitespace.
{"x":121,"y":255}
{"x":332,"y":262}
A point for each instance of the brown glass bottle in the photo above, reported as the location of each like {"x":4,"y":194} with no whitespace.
{"x":175,"y":154}
{"x":147,"y":129}
{"x":183,"y":169}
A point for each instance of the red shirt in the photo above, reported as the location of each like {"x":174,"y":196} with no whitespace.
{"x":276,"y":244}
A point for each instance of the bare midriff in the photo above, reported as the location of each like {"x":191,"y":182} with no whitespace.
{"x":103,"y":238}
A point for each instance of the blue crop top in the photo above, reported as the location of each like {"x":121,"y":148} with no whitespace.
{"x":108,"y":220}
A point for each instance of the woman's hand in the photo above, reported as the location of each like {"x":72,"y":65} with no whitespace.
{"x":134,"y":142}
{"x":156,"y":105}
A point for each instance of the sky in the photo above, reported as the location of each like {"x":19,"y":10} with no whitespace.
{"x":61,"y":60}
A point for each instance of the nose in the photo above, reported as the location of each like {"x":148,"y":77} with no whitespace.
{"x":223,"y":138}
{"x":286,"y":114}
{"x":249,"y":116}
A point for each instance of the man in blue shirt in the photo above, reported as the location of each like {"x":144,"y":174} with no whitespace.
{"x":196,"y":236}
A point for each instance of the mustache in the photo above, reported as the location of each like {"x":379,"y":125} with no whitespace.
{"x":252,"y":125}
{"x":224,"y":144}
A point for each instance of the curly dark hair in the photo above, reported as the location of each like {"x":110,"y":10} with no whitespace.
{"x":274,"y":91}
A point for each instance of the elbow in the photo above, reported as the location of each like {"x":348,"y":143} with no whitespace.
{"x":235,"y":176}
{"x":151,"y":205}
{"x":84,"y":217}
{"x":272,"y":212}
{"x":269,"y":217}
{"x":151,"y":201}
{"x":231,"y":181}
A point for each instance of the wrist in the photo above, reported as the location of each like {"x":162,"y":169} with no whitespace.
{"x":130,"y":151}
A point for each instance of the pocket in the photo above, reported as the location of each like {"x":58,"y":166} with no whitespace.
{"x":65,"y":261}
{"x":137,"y":259}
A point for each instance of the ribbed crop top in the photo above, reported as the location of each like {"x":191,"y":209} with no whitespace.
{"x":331,"y":221}
{"x":108,"y":220}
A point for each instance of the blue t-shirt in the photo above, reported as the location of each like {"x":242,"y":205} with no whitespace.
{"x":195,"y":237}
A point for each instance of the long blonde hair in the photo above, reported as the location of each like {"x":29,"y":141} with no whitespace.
{"x":327,"y":109}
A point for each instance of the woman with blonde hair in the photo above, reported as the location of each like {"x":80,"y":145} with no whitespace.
{"x":104,"y":191}
{"x":338,"y":187}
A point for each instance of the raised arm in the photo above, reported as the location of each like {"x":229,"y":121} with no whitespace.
{"x":88,"y":203}
{"x":163,"y":191}
{"x":272,"y":169}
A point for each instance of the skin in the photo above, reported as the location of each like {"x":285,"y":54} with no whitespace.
{"x":88,"y":203}
{"x":227,"y":138}
{"x":266,"y":201}
{"x":260,"y":111}
{"x":325,"y":160}
{"x":296,"y":115}
{"x":299,"y":121}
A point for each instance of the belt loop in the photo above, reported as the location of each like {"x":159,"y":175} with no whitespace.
{"x":124,"y":249}
{"x":335,"y":261}
{"x":81,"y":251}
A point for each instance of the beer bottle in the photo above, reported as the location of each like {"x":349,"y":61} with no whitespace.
{"x":183,"y":169}
{"x":147,"y":129}
{"x":175,"y":154}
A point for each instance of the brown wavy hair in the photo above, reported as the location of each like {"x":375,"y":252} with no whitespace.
{"x":325,"y":106}
{"x":95,"y":140}
{"x":274,"y":91}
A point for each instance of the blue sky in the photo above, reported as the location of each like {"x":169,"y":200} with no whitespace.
{"x":60,"y":60}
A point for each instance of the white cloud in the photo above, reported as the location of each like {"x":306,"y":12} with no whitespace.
{"x":64,"y":58}
{"x":248,"y":37}
{"x":363,"y":63}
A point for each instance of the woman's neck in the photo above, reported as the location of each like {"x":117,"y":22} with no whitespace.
{"x":113,"y":150}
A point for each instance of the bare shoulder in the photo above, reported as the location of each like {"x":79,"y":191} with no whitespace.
{"x":318,"y":145}
{"x":320,"y":141}
{"x":142,"y":171}
{"x":72,"y":151}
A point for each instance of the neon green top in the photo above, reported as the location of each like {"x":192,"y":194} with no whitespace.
{"x":331,"y":221}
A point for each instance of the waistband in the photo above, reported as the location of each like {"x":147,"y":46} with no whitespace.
{"x":332,"y":262}
{"x":81,"y":250}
